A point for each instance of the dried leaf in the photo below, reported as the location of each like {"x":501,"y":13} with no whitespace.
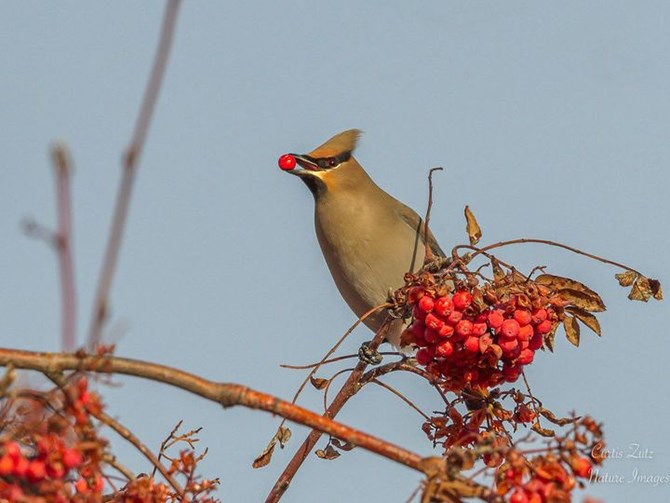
{"x":498,"y":273}
{"x":283,"y":436}
{"x":644,"y":288}
{"x":329,"y":453}
{"x":583,"y":300}
{"x":562,"y":421}
{"x":472,"y":227}
{"x":572,"y":292}
{"x":626,"y":278}
{"x":549,"y":338}
{"x":345,"y":446}
{"x":586,"y":318}
{"x":266,"y":456}
{"x":656,"y":291}
{"x":545,"y":432}
{"x":571,"y":330}
{"x":318,"y":382}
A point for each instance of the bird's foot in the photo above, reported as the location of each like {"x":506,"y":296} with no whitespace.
{"x":369,"y":355}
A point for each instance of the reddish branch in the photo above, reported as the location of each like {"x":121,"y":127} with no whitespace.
{"x":349,"y":389}
{"x":226,"y":394}
{"x":63,"y":243}
{"x":130,"y":162}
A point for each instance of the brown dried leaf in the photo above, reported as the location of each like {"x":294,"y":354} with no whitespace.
{"x":318,"y":382}
{"x":329,"y":453}
{"x":266,"y":456}
{"x":583,"y":300}
{"x":472,"y":227}
{"x":571,"y":330}
{"x":549,"y":338}
{"x":586,"y":318}
{"x":283,"y":436}
{"x":572,"y":292}
{"x":562,"y":421}
{"x":656,"y":291}
{"x":545,"y":432}
{"x":498,"y":273}
{"x":345,"y":446}
{"x":626,"y":278}
{"x":644,"y":288}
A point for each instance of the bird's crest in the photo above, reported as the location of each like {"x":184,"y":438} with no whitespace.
{"x":343,"y":142}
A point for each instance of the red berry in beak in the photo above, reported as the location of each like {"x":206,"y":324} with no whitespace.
{"x":286,"y":162}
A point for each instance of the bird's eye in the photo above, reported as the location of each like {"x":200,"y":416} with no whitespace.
{"x":332,"y":162}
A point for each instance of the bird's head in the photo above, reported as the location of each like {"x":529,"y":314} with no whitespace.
{"x":331,"y":165}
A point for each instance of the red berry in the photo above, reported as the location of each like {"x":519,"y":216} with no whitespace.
{"x":484,"y":342}
{"x":444,"y":349}
{"x":536,"y":342}
{"x":462,"y":300}
{"x":479,"y":328}
{"x":286,"y":162}
{"x":433,"y":322}
{"x":511,"y":373}
{"x":431,"y":336}
{"x":581,"y":467}
{"x":525,"y":357}
{"x":417,"y":328}
{"x":20,"y":467}
{"x":36,"y":471}
{"x":13,"y":450}
{"x":525,"y":333}
{"x":518,"y":496}
{"x":426,"y":303}
{"x":508,"y":345}
{"x":424,"y":356}
{"x":418,"y":314}
{"x":495,"y":319}
{"x":538,"y":316}
{"x":522,"y":316}
{"x":454,"y":317}
{"x":444,"y":306}
{"x":471,"y":344}
{"x":543,"y":327}
{"x":81,"y":486}
{"x":464,"y":328}
{"x":6,"y":465}
{"x":72,"y":458}
{"x":446,"y":331}
{"x":510,"y":328}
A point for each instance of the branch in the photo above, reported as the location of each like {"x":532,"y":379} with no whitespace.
{"x":429,"y":251}
{"x":130,"y":162}
{"x":63,"y":243}
{"x":349,"y":389}
{"x":226,"y":394}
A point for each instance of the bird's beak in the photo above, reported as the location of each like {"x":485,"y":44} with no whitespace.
{"x":307,"y":163}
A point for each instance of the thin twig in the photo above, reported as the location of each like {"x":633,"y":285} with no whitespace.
{"x":500,"y":244}
{"x":130,"y":163}
{"x":401,"y":396}
{"x":349,"y":389}
{"x":429,"y":251}
{"x":64,"y":238}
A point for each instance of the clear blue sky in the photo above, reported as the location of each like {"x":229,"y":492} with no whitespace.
{"x":551,"y":119}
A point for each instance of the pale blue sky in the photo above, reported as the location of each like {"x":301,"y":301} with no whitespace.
{"x":551,"y":119}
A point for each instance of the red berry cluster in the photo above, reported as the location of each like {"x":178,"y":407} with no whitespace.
{"x":547,"y":479}
{"x":474,"y":346}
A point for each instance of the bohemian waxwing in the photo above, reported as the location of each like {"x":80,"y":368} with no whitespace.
{"x":368,"y":238}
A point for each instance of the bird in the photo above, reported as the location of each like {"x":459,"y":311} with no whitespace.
{"x":369,"y":239}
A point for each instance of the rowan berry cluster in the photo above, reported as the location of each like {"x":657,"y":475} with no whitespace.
{"x":476,"y":344}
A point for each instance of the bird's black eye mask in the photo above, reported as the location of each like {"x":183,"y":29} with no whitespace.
{"x":324,"y":163}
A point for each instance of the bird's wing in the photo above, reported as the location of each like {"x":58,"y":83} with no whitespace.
{"x":416,"y":223}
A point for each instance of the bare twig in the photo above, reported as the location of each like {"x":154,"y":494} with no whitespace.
{"x":130,"y":162}
{"x":429,"y":252}
{"x":64,"y":237}
{"x":349,"y":389}
{"x":401,"y":396}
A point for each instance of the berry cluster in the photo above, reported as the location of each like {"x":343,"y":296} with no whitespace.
{"x":545,"y":480}
{"x":476,"y":344}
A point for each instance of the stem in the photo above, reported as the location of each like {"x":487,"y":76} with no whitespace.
{"x":429,"y":252}
{"x":130,"y":163}
{"x":63,"y":241}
